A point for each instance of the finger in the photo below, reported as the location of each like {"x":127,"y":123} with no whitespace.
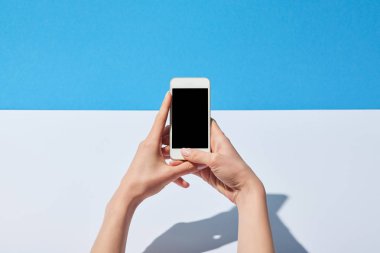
{"x":217,"y":135}
{"x":197,"y":165}
{"x":182,"y":182}
{"x":198,"y":156}
{"x":208,"y":176}
{"x":215,"y":127}
{"x":160,"y":120}
{"x":175,"y":162}
{"x":166,"y":130}
{"x":165,"y":139}
{"x":165,"y":151}
{"x":165,"y":135}
{"x":182,"y":169}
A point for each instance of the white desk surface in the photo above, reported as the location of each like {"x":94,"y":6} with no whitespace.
{"x":320,"y":168}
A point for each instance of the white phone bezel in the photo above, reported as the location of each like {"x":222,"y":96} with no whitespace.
{"x":189,"y":82}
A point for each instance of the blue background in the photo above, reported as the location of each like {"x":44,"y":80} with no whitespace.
{"x":122,"y":54}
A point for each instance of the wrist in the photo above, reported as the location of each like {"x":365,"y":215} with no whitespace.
{"x":252,"y":192}
{"x":123,"y":201}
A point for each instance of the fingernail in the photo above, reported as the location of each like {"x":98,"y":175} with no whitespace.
{"x":185,"y":151}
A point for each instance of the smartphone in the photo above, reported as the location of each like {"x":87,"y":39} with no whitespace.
{"x":189,"y":115}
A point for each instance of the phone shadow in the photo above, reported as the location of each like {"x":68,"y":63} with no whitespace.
{"x":221,"y":229}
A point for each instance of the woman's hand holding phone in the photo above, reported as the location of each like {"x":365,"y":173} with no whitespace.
{"x":147,"y":175}
{"x":148,"y":172}
{"x":224,"y":169}
{"x":229,"y":174}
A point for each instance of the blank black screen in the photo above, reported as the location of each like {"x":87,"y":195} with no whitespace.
{"x":189,"y":118}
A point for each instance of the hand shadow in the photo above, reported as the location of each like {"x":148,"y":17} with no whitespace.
{"x":221,"y":229}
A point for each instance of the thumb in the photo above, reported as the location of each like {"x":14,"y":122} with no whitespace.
{"x":198,"y":156}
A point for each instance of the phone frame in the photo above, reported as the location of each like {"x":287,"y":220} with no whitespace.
{"x":189,"y":82}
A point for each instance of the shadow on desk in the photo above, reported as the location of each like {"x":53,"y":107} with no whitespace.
{"x":221,"y":229}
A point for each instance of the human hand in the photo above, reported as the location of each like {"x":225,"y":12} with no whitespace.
{"x":148,"y":173}
{"x":225,"y":169}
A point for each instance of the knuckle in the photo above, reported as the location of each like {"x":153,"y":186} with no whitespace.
{"x":189,"y":166}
